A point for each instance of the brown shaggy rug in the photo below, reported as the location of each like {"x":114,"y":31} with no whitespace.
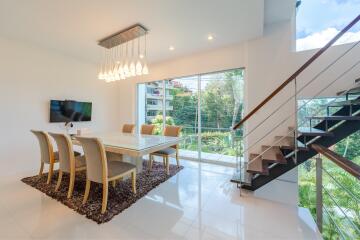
{"x":119,"y":198}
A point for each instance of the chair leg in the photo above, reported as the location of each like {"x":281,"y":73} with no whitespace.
{"x":71,"y":184}
{"x":87,"y":191}
{"x":151,"y":159}
{"x":59,"y":180}
{"x":133,"y":181}
{"x":41,"y":169}
{"x":51,"y":170}
{"x":104,"y":197}
{"x":167,"y":165}
{"x":114,"y":183}
{"x":177,"y":158}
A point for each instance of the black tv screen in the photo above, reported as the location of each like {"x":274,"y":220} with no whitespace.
{"x":70,"y":111}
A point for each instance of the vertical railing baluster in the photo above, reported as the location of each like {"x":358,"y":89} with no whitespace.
{"x":319,"y":196}
{"x":296,"y":122}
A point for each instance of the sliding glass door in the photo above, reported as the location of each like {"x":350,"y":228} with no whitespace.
{"x":184,"y":93}
{"x":206,"y":106}
{"x":221,"y":107}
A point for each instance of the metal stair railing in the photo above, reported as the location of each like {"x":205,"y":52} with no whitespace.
{"x":294,"y":97}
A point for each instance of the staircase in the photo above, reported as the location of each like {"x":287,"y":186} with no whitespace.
{"x":286,"y":152}
{"x":280,"y":158}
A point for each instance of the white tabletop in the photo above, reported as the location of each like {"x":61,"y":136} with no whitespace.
{"x":136,"y":142}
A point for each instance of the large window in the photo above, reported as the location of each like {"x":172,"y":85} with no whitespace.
{"x":206,"y":106}
{"x":318,"y":21}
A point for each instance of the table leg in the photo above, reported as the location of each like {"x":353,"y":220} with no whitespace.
{"x":138,"y":161}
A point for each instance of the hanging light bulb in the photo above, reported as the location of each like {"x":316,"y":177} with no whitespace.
{"x":126,"y":65}
{"x":138,"y":68}
{"x":115,"y":69}
{"x":121,"y":64}
{"x":101,"y":74}
{"x":138,"y":63}
{"x":132,"y":64}
{"x":127,"y":70}
{"x":145,"y":69}
{"x":122,"y":74}
{"x":120,"y":67}
{"x":105,"y":72}
{"x":114,"y":64}
{"x":110,"y":73}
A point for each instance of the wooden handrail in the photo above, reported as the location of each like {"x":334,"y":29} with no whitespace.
{"x":295,"y":74}
{"x":342,"y":162}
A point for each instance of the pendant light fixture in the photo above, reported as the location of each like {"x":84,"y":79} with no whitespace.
{"x":116,"y":61}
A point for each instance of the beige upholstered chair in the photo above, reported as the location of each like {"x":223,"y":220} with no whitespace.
{"x":128,"y":128}
{"x":100,"y":170}
{"x":69,"y":163}
{"x":171,"y":131}
{"x":147,"y":129}
{"x":48,"y":156}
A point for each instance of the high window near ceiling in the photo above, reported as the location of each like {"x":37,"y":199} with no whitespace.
{"x":205,"y":105}
{"x":318,"y":21}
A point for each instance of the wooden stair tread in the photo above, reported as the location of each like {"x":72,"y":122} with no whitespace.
{"x":256,"y":165}
{"x":344,"y":103}
{"x":307,"y":131}
{"x":336,"y":118}
{"x":273,"y":154}
{"x":288,"y":143}
{"x":355,"y":90}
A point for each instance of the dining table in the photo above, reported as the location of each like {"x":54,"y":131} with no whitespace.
{"x":132,"y":147}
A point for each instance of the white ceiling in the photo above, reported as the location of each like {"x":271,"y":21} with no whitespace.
{"x":73,"y":27}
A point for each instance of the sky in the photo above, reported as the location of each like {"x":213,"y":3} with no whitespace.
{"x":318,"y":21}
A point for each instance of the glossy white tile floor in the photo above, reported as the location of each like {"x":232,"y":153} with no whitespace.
{"x":198,"y":203}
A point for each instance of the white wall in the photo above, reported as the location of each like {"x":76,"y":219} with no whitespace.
{"x":30,"y":77}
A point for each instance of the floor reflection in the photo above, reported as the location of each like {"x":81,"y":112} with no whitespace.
{"x":197,"y":203}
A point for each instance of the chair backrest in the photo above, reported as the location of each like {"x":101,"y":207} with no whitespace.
{"x":95,"y":157}
{"x":46,"y":148}
{"x":66,"y":152}
{"x":128,"y":128}
{"x":147,"y":129}
{"x":172,"y":131}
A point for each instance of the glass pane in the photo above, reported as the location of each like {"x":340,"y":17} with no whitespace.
{"x":150,"y":105}
{"x":182,"y":110}
{"x":221,"y":108}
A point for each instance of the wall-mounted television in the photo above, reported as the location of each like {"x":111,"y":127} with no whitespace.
{"x":70,"y":111}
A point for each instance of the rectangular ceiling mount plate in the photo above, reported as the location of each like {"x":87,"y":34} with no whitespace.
{"x":123,"y":36}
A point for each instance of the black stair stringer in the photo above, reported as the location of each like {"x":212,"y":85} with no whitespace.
{"x":340,"y":132}
{"x":344,"y":111}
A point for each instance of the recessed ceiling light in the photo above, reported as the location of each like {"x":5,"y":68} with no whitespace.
{"x":171,"y":48}
{"x":210,"y":37}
